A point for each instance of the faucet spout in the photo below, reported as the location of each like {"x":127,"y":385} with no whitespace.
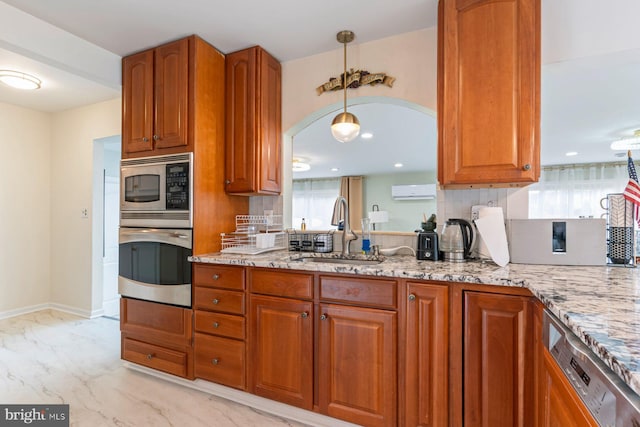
{"x":341,"y":213}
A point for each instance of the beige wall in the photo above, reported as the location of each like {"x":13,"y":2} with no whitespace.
{"x":72,"y":136}
{"x":24,"y":212}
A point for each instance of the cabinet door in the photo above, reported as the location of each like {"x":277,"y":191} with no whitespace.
{"x":489,"y":88}
{"x":498,"y":360}
{"x":253,"y":123}
{"x":241,"y":119}
{"x":171,"y":94}
{"x":426,"y":367}
{"x":281,"y":348}
{"x":559,"y":403}
{"x":357,"y":376}
{"x":269,"y":150}
{"x":137,"y":102}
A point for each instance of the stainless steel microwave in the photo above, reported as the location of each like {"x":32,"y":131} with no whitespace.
{"x":157,"y":191}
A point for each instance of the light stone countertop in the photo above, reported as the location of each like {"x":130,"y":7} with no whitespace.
{"x":601,"y":305}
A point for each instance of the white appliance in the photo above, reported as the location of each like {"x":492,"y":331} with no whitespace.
{"x":558,"y":241}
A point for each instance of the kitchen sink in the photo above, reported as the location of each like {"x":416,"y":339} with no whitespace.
{"x":340,"y":260}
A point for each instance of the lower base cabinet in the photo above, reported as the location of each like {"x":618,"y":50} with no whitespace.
{"x":426,"y":364}
{"x":221,"y":360}
{"x":158,"y":336}
{"x":498,"y":360}
{"x":358,"y":364}
{"x":281,"y":341}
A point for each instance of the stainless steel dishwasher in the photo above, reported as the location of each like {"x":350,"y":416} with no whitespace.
{"x":606,"y":396}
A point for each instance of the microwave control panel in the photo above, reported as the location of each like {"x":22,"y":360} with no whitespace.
{"x":177,"y":186}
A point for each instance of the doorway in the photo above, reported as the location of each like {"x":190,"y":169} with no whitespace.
{"x":106,"y":195}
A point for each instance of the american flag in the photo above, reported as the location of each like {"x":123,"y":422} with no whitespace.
{"x":632,"y":191}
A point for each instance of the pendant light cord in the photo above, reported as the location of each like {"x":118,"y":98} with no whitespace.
{"x":344,"y":76}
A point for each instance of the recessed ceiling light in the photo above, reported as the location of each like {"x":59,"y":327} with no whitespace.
{"x":334,"y":169}
{"x":19,"y":80}
{"x":627,"y":143}
{"x":571,"y":153}
{"x":366,"y":135}
{"x":398,"y":165}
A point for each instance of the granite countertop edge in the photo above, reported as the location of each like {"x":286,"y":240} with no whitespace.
{"x":598,"y":303}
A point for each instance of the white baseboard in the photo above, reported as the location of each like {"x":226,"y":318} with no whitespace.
{"x":111,"y":307}
{"x":51,"y":306}
{"x":24,"y":310}
{"x":260,"y":403}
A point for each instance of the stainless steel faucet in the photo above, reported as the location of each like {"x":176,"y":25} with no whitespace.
{"x":341,"y":213}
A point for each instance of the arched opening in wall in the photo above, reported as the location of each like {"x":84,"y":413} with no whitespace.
{"x":396,"y":146}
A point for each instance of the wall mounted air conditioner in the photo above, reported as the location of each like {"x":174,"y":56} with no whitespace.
{"x":413,"y":191}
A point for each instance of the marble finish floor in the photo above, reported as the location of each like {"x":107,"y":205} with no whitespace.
{"x":52,"y":357}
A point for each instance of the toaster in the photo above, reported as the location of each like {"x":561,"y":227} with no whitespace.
{"x":428,"y":246}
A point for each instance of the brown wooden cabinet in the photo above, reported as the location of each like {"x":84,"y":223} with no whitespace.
{"x":281,"y":336}
{"x":488,"y":92}
{"x":219,"y":340}
{"x":357,"y":369}
{"x":281,"y":340}
{"x":253,"y":124}
{"x":157,"y":336}
{"x":498,"y":360}
{"x":155,"y":86}
{"x":426,"y":362}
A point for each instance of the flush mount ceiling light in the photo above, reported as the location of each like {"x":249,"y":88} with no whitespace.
{"x":345,"y":126}
{"x":366,"y":135}
{"x":300,"y":165}
{"x":627,"y":143}
{"x":19,"y":80}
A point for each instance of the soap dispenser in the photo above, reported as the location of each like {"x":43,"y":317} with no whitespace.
{"x":366,"y":235}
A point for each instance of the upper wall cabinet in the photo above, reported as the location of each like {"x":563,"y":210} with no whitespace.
{"x":253,"y":125}
{"x":488,"y":92}
{"x":158,"y":90}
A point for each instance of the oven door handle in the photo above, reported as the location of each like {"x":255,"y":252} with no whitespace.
{"x":183,"y":238}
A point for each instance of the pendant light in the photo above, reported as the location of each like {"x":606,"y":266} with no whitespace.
{"x":345,"y":126}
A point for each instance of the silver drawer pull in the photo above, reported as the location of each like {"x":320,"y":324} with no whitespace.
{"x":215,"y":301}
{"x":215,"y":361}
{"x":149,"y":356}
{"x":323,"y":317}
{"x":304,"y":315}
{"x":216,"y":324}
{"x":215,"y":276}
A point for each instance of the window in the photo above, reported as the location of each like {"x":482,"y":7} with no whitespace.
{"x":313,"y":200}
{"x":571,"y":191}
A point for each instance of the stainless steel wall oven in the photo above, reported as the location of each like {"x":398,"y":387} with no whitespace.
{"x":154,"y":266}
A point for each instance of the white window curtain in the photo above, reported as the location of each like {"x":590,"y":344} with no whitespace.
{"x":572,"y":191}
{"x":313,"y":200}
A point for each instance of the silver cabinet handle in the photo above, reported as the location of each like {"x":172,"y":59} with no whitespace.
{"x":156,"y":137}
{"x":323,"y":317}
{"x":215,"y":301}
{"x":412,"y":297}
{"x":215,"y":276}
{"x":227,"y":181}
{"x":215,"y":361}
{"x":526,"y":167}
{"x":149,"y":356}
{"x":304,"y":315}
{"x":216,"y":324}
{"x":145,"y":139}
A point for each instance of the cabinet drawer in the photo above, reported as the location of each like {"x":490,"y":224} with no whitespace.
{"x":219,"y":300}
{"x":278,"y":283}
{"x":220,"y":360}
{"x":156,"y":357}
{"x":370,"y":292}
{"x":226,"y":325}
{"x":218,"y":276}
{"x":156,"y":322}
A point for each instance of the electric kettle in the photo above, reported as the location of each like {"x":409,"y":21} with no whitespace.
{"x":456,"y":240}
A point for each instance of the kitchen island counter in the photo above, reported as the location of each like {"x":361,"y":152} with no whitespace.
{"x":601,"y":305}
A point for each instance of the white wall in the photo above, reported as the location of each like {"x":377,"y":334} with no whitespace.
{"x":72,"y":136}
{"x":24,"y":208}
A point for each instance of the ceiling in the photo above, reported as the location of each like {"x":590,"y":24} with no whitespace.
{"x":590,"y":50}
